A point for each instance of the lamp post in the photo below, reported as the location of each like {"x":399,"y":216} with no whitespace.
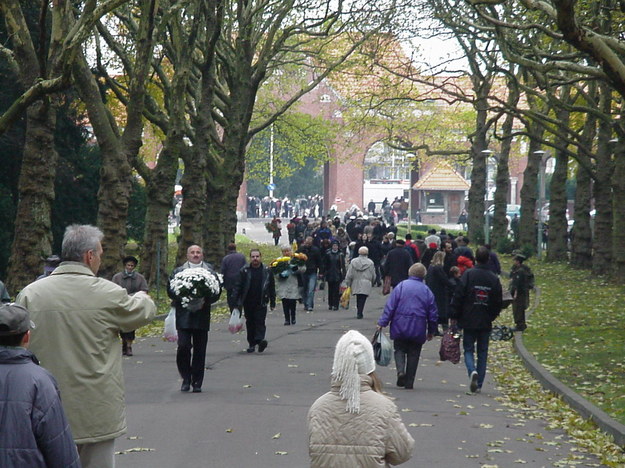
{"x":271,"y":161}
{"x":487,"y":154}
{"x":541,"y":199}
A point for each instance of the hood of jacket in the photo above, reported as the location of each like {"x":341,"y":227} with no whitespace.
{"x":361,"y":263}
{"x":16,"y":356}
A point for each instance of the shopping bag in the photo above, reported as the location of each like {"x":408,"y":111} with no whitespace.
{"x":450,"y":346}
{"x":236,"y":322}
{"x":345,"y":298}
{"x":382,"y":348}
{"x":386,"y":286}
{"x":169,"y":332}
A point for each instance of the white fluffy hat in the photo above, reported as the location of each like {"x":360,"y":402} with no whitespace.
{"x":353,"y":356}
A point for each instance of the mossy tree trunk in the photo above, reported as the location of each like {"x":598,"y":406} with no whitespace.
{"x":529,"y":190}
{"x":618,"y":210}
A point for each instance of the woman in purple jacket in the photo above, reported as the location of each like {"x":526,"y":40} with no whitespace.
{"x":412,"y":314}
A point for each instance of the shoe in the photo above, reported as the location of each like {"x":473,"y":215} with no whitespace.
{"x":186,"y":386}
{"x":197,"y":389}
{"x":473,"y":384}
{"x":129,"y":351}
{"x":262,"y":346}
{"x":286,"y":322}
{"x":401,"y":380}
{"x":479,"y":390}
{"x":251,"y":349}
{"x":409,"y":387}
{"x":293,"y":322}
{"x":359,"y":316}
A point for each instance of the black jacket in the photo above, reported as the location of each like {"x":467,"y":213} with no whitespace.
{"x":333,"y":266}
{"x":314,"y":258}
{"x":477,"y":299}
{"x":243,"y":285}
{"x":397,"y":264}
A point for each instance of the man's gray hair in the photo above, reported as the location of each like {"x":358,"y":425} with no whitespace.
{"x":78,"y":239}
{"x":418,"y":270}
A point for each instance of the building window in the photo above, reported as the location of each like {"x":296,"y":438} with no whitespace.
{"x":385,"y":163}
{"x":435,"y":202}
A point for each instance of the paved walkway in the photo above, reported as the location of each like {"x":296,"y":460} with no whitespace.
{"x":252,"y":412}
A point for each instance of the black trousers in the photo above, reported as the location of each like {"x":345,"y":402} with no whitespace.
{"x":334,"y":294}
{"x":360,"y":303}
{"x":191,"y":369}
{"x":289,"y":306}
{"x":407,"y":353}
{"x":232,"y":300}
{"x":255,"y":323}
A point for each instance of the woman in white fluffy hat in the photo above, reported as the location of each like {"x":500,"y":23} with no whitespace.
{"x":354,"y":425}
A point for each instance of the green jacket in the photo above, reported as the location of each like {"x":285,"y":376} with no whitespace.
{"x":78,"y":317}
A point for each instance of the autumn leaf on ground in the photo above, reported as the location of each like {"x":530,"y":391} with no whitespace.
{"x":276,"y":436}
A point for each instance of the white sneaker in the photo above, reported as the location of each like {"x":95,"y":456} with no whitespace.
{"x":473,"y":383}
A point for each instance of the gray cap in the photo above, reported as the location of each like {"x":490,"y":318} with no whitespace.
{"x":14,"y":319}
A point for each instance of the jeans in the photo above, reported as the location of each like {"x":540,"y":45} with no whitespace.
{"x":407,"y":353}
{"x":192,"y":369}
{"x":470,"y":337}
{"x":310,"y":283}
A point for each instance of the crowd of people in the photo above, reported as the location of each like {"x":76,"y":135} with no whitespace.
{"x":436,"y":282}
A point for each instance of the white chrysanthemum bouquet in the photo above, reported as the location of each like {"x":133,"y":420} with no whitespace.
{"x":196,"y":283}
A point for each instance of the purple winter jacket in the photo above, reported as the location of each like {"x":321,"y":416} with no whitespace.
{"x":411,"y":311}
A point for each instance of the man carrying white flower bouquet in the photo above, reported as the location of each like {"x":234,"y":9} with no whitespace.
{"x":255,"y":288}
{"x":192,"y":294}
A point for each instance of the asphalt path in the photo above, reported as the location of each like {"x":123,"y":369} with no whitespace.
{"x":252,"y":410}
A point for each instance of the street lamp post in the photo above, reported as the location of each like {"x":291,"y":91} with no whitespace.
{"x":271,"y":161}
{"x":541,"y":199}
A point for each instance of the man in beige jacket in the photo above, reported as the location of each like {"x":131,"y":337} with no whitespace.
{"x":79,"y":317}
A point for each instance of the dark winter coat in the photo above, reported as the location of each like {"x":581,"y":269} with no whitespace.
{"x":314,"y":258}
{"x":477,"y":299}
{"x":231,"y":265}
{"x":35,"y":432}
{"x":438,"y":283}
{"x":268,"y":294}
{"x":185,"y":318}
{"x":397,"y":264}
{"x":333,"y":266}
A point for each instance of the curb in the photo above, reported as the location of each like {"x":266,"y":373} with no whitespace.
{"x":589,"y":411}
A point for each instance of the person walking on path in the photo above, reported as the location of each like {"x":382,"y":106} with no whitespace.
{"x":411,"y":312}
{"x":355,"y":425}
{"x":360,"y":277}
{"x":79,"y":317}
{"x":439,"y":284}
{"x":35,"y":432}
{"x":255,"y":289}
{"x":132,"y":281}
{"x":193,"y":324}
{"x":333,"y":271}
{"x":521,"y":281}
{"x":475,"y":305}
{"x":312,"y":267}
{"x":397,"y":263}
{"x":276,"y":229}
{"x":231,"y":265}
{"x":288,"y":289}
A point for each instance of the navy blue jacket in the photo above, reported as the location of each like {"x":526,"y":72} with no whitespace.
{"x":35,"y":432}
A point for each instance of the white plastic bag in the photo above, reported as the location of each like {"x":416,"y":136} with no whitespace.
{"x":382,"y":348}
{"x":236,"y":322}
{"x":170,"y":333}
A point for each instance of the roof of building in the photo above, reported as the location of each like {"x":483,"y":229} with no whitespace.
{"x":442,"y":177}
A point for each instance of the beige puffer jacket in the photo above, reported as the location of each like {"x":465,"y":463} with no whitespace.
{"x":375,"y":437}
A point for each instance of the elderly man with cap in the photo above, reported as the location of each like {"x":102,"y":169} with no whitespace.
{"x":132,"y":281}
{"x":78,"y":318}
{"x":521,"y":281}
{"x":360,"y":277}
{"x":36,"y":432}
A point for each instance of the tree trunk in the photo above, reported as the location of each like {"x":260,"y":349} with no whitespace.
{"x":557,"y":237}
{"x":160,"y":194}
{"x":529,"y":193}
{"x":602,"y":236}
{"x":194,"y":203}
{"x":500,"y":222}
{"x":33,"y":227}
{"x":477,"y":190}
{"x":618,"y":211}
{"x":581,"y":235}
